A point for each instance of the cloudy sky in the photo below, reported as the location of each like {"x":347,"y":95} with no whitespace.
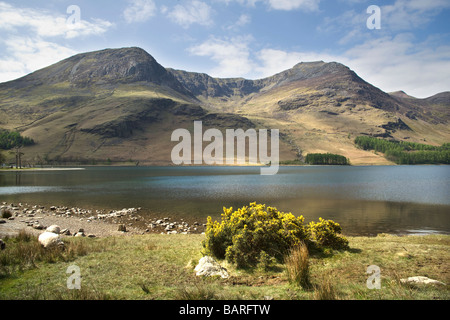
{"x":240,"y":38}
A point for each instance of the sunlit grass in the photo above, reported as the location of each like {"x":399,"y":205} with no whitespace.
{"x":161,"y":267}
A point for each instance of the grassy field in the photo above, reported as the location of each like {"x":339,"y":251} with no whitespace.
{"x":160,"y":267}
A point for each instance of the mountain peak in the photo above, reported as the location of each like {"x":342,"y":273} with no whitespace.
{"x":401,"y":94}
{"x":115,"y":65}
{"x":108,"y":67}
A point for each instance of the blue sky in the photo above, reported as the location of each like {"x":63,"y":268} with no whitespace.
{"x":240,"y":38}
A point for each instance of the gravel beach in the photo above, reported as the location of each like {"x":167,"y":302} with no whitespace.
{"x":35,"y":219}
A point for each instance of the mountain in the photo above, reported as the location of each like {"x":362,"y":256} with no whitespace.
{"x":322,"y":107}
{"x":112,"y":104}
{"x":121,"y":104}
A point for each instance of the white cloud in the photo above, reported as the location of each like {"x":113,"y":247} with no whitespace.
{"x":308,"y":5}
{"x":193,"y":12}
{"x":274,"y":61}
{"x":139,"y":11}
{"x":286,"y":5}
{"x":45,"y":24}
{"x":400,"y":16}
{"x":409,"y":14}
{"x":29,"y":54}
{"x":29,"y":35}
{"x":243,"y":20}
{"x":231,"y":55}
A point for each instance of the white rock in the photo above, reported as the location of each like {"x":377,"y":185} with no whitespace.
{"x":420,"y":279}
{"x":54,"y":229}
{"x":50,"y":239}
{"x":209,"y":267}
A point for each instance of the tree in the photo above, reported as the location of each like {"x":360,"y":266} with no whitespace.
{"x":18,"y":155}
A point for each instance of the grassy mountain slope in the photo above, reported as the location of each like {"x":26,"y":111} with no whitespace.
{"x":120,"y":104}
{"x":322,"y":107}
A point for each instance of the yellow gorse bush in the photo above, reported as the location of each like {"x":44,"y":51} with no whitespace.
{"x":248,"y":233}
{"x":325,"y":233}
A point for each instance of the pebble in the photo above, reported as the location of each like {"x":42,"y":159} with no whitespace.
{"x":164,"y":225}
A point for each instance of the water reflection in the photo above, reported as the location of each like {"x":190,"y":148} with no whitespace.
{"x":364,"y":200}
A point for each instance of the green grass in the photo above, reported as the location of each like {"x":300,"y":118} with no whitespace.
{"x":160,"y":267}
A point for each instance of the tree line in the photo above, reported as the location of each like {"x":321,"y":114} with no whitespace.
{"x":326,"y":159}
{"x":13,"y":139}
{"x":402,"y":152}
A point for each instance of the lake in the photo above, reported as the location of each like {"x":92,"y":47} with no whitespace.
{"x":365,"y":200}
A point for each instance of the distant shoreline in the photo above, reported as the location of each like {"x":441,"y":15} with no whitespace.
{"x":39,"y":169}
{"x":83,"y":167}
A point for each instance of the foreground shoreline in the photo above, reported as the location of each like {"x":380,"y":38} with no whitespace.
{"x":34,"y":219}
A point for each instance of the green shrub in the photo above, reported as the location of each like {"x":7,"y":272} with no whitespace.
{"x":326,"y":234}
{"x":256,"y":232}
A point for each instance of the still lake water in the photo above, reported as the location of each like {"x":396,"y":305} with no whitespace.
{"x":364,"y":200}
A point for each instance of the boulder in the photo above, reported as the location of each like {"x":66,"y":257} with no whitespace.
{"x":421,"y":280}
{"x":54,"y":228}
{"x":209,"y":267}
{"x":50,"y":239}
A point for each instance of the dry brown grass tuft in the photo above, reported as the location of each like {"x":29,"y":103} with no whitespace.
{"x":297,"y":266}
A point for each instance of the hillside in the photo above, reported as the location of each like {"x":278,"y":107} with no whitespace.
{"x":322,"y":107}
{"x":122,"y":105}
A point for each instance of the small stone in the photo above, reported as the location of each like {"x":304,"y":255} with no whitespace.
{"x":122,"y":228}
{"x":209,"y":267}
{"x":65,"y":232}
{"x":38,"y":226}
{"x":169,"y":227}
{"x":421,"y":280}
